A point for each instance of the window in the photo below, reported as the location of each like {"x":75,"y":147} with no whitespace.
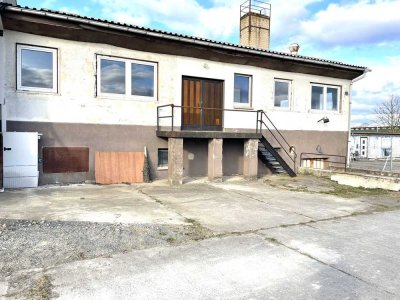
{"x":162,"y":158}
{"x":282,"y":93}
{"x":386,"y":152}
{"x":36,"y":69}
{"x":324,"y":97}
{"x":242,"y":89}
{"x":126,"y":78}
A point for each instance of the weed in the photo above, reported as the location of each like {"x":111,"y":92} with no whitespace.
{"x":346,"y":191}
{"x":41,"y":289}
{"x":171,"y":240}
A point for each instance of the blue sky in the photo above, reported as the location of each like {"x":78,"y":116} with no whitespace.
{"x":360,"y":32}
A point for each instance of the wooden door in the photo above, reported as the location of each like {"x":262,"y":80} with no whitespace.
{"x":202,"y":101}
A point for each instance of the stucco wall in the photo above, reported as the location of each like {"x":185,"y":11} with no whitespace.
{"x":76,"y":101}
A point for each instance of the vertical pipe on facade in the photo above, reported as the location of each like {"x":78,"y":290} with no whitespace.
{"x":2,"y":80}
{"x":362,"y":76}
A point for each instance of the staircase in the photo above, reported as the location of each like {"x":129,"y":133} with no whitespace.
{"x":273,"y":157}
{"x":269,"y":160}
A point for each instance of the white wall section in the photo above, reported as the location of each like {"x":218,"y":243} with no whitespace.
{"x":76,"y":101}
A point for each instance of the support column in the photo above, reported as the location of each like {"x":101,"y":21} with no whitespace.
{"x":175,"y":161}
{"x":250,"y":159}
{"x":215,"y":160}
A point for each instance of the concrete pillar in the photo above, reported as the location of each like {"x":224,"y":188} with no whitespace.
{"x":175,"y":161}
{"x":215,"y":160}
{"x":250,"y":159}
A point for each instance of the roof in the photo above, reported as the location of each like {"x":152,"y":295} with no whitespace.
{"x":374,"y":130}
{"x":176,"y":36}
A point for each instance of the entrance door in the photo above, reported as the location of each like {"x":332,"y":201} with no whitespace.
{"x":364,"y":147}
{"x":202,"y":101}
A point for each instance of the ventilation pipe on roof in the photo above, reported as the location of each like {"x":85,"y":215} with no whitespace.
{"x":294,"y":48}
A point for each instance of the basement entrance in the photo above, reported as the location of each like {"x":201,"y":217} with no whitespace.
{"x":202,"y":103}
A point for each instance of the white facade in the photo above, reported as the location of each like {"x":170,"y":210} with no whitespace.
{"x":375,"y":146}
{"x":76,"y":100}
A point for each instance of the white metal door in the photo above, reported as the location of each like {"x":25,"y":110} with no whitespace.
{"x":364,"y":147}
{"x":20,"y":159}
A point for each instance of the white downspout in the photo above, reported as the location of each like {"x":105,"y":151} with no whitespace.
{"x":2,"y":79}
{"x":362,"y":76}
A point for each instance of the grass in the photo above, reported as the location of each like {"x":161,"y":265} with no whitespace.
{"x":320,"y":185}
{"x":346,"y":191}
{"x":41,"y":289}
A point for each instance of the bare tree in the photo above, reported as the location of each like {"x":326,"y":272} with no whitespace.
{"x":388,"y":115}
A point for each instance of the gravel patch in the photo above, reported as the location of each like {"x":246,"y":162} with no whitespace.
{"x":29,"y":247}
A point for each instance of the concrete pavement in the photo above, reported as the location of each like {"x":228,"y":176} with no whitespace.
{"x":265,"y":242}
{"x":297,"y":262}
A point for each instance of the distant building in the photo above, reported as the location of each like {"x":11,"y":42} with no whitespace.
{"x":374,"y":142}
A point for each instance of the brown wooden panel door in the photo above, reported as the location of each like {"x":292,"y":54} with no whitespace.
{"x":202,"y":101}
{"x":119,"y":167}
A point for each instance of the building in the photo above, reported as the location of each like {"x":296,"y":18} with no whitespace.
{"x":374,"y":142}
{"x":200,"y":107}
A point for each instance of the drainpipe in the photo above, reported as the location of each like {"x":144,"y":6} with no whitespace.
{"x":2,"y":75}
{"x":362,"y":76}
{"x":2,"y":80}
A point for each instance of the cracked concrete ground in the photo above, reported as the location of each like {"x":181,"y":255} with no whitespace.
{"x":281,"y":238}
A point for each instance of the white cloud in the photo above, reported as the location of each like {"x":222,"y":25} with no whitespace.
{"x":188,"y":17}
{"x":377,"y":86}
{"x":69,"y":10}
{"x":362,"y":22}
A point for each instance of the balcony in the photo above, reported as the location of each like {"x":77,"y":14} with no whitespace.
{"x":198,"y":122}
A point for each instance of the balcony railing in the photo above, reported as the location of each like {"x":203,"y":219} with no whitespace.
{"x":175,"y":118}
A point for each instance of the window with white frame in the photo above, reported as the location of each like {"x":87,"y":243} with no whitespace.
{"x":127,"y":78}
{"x":36,"y":68}
{"x":325,"y":97}
{"x":282,"y":93}
{"x":242,"y":90}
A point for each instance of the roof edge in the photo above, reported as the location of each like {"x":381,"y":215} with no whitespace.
{"x":179,"y":37}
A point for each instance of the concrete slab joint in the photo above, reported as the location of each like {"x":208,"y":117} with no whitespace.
{"x":250,"y":159}
{"x":175,"y":161}
{"x":215,"y":160}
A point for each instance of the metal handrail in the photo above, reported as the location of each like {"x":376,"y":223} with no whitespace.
{"x":330,"y":155}
{"x":287,"y":148}
{"x":173,"y":106}
{"x":283,"y":138}
{"x":290,"y":148}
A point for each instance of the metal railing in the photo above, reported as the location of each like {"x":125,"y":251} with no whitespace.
{"x":255,"y":6}
{"x":288,"y":149}
{"x":331,"y":162}
{"x":263,"y":122}
{"x":200,"y":110}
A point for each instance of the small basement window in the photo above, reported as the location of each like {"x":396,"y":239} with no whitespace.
{"x":127,"y":78}
{"x":36,"y":69}
{"x":242,"y":90}
{"x":163,"y":158}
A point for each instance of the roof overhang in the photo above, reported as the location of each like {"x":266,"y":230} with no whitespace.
{"x":77,"y":28}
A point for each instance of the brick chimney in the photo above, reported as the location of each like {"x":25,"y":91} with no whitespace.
{"x":255,"y":21}
{"x":13,"y":2}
